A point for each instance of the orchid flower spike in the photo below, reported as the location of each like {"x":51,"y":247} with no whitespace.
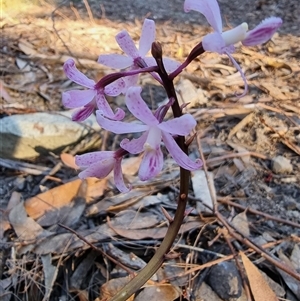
{"x":100,"y":164}
{"x":135,"y":57}
{"x":94,"y":97}
{"x":222,"y":42}
{"x":154,"y":131}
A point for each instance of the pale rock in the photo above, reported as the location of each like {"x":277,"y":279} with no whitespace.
{"x":19,"y":183}
{"x":27,"y":136}
{"x":281,"y":164}
{"x":188,"y":93}
{"x":205,"y":293}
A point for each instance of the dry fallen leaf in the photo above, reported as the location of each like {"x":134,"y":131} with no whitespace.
{"x":14,"y":200}
{"x":69,"y":160}
{"x":54,"y":198}
{"x":62,"y":196}
{"x":260,"y":289}
{"x":202,"y":191}
{"x":3,"y":93}
{"x":240,"y":221}
{"x":165,"y":292}
{"x":154,"y":233}
{"x":110,"y":288}
{"x":25,"y":227}
{"x":50,"y":273}
{"x":291,"y":282}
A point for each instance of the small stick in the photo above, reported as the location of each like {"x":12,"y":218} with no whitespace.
{"x":87,"y":6}
{"x":253,"y":211}
{"x":98,"y":250}
{"x":239,"y":267}
{"x":242,"y":238}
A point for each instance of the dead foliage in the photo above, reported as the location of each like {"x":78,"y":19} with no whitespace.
{"x":64,"y":239}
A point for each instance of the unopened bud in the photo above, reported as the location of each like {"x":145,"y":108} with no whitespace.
{"x":156,"y":50}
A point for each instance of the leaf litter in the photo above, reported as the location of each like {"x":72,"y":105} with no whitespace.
{"x":239,"y":139}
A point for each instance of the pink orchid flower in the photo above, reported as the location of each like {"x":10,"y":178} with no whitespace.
{"x":222,"y":42}
{"x":92,"y":98}
{"x":154,"y":132}
{"x":100,"y":164}
{"x":135,"y":57}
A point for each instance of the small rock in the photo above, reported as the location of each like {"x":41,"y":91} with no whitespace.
{"x":19,"y":183}
{"x":2,"y":191}
{"x":281,"y":165}
{"x":295,"y":214}
{"x":225,"y":280}
{"x":240,"y":135}
{"x":259,"y":240}
{"x":29,"y":178}
{"x":205,"y":293}
{"x":270,"y":224}
{"x":26,"y":136}
{"x":290,"y":204}
{"x":188,"y":93}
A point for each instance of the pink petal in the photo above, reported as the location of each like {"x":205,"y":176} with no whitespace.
{"x":150,"y":61}
{"x":178,"y":155}
{"x":90,"y":158}
{"x":134,"y":146}
{"x":214,"y":42}
{"x":83,"y":113}
{"x":263,"y":32}
{"x":105,"y":108}
{"x":99,"y":169}
{"x":154,"y":138}
{"x":115,"y":88}
{"x":209,"y":8}
{"x":179,"y":126}
{"x":126,"y":44}
{"x":118,"y":61}
{"x":151,"y":165}
{"x":137,"y":106}
{"x":77,"y":98}
{"x":147,"y":37}
{"x":76,"y":76}
{"x":99,"y":164}
{"x":118,"y":177}
{"x":170,"y":65}
{"x":130,"y":81}
{"x":119,"y":127}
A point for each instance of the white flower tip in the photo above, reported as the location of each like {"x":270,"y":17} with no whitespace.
{"x":245,"y":26}
{"x":276,"y":22}
{"x":147,"y":147}
{"x":235,"y":35}
{"x":149,"y":21}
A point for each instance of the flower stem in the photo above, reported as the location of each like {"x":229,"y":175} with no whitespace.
{"x":158,"y":258}
{"x":196,"y":51}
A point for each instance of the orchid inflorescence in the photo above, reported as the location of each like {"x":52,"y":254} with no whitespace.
{"x":152,"y":125}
